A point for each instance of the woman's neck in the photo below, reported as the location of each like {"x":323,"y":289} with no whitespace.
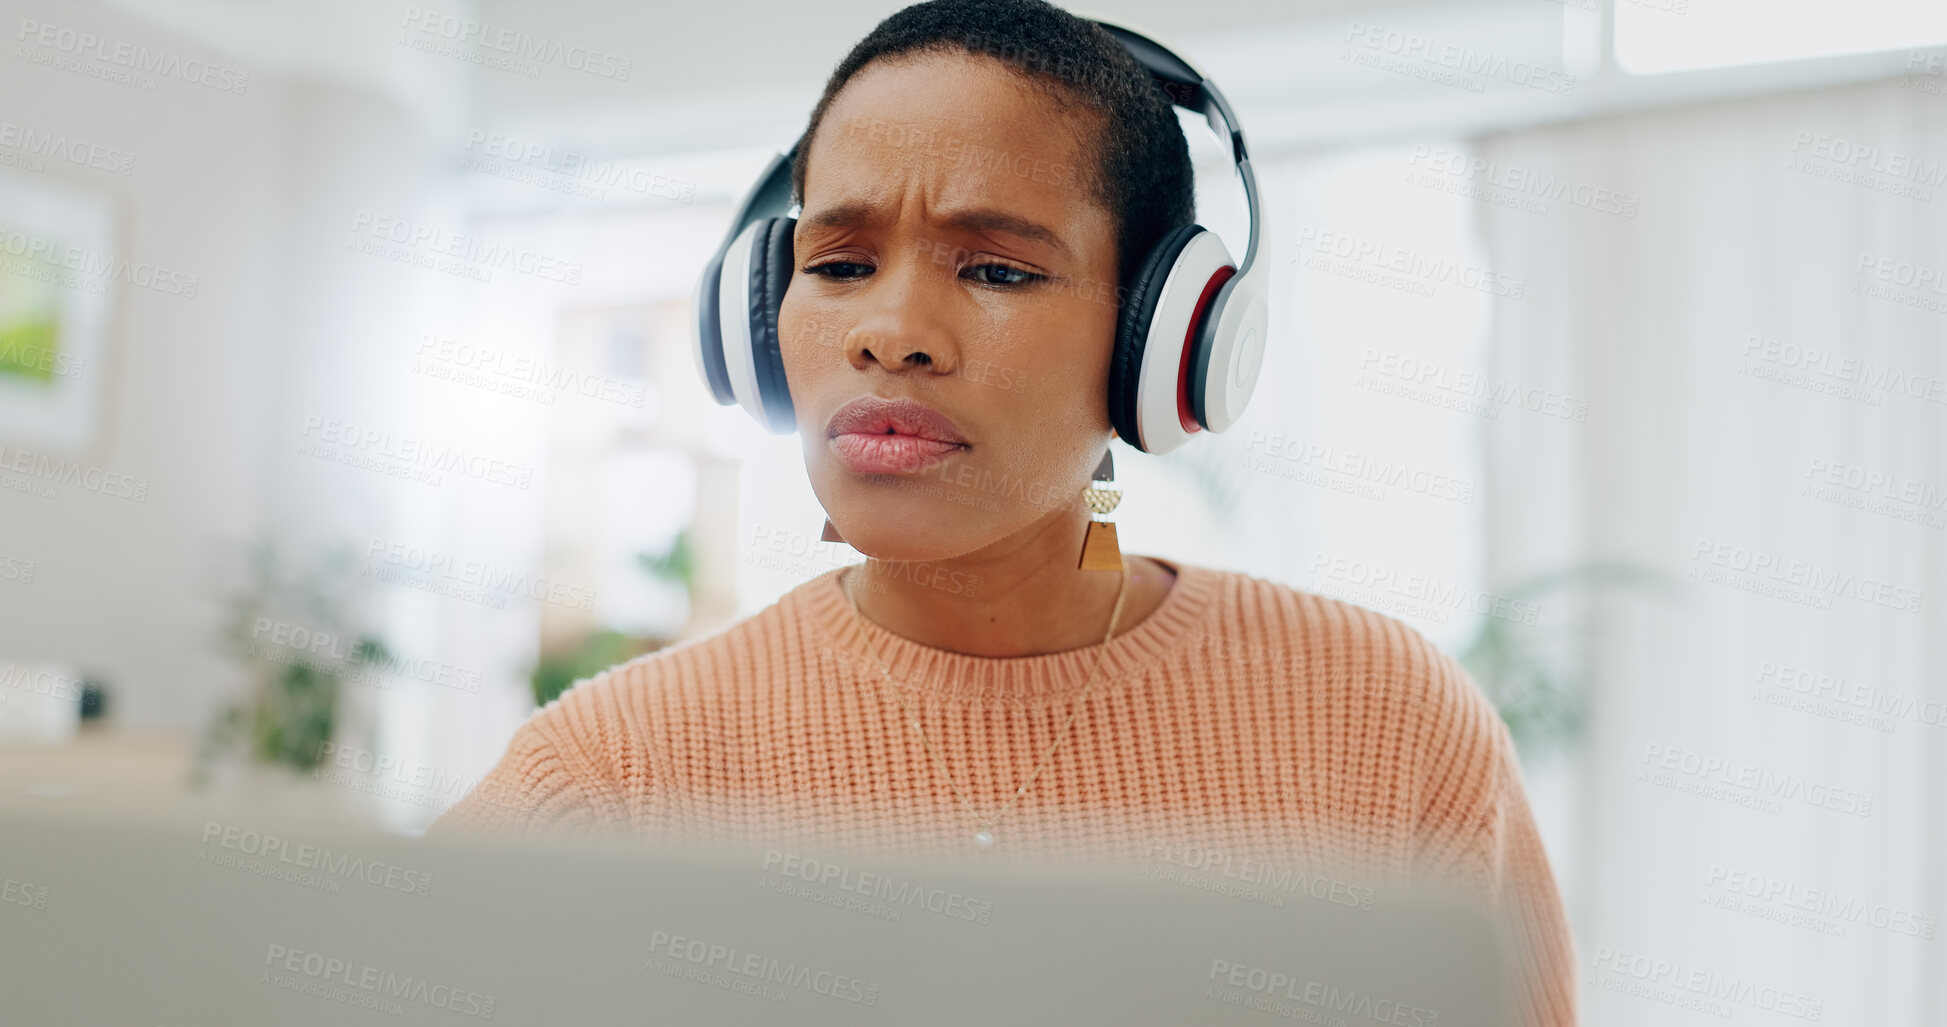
{"x":1020,"y":598}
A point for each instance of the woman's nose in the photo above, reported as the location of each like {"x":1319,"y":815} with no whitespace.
{"x":903,"y":324}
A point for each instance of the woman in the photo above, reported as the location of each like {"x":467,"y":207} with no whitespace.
{"x":945,"y":693}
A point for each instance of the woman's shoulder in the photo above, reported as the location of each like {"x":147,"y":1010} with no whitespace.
{"x":595,"y":743}
{"x":1267,"y":612}
{"x":718,"y":656}
{"x":606,"y":730}
{"x":1324,"y":642}
{"x":1383,"y":686}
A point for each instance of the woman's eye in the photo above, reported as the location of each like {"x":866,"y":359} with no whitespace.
{"x":826,"y":269}
{"x":986,"y":274}
{"x":1021,"y":277}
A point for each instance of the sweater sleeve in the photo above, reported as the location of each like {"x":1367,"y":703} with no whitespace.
{"x":1476,"y":827}
{"x":1525,"y":892}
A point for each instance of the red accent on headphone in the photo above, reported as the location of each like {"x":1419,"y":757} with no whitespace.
{"x":1183,"y":415}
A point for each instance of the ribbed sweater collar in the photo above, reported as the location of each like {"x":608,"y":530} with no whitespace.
{"x":948,"y":676}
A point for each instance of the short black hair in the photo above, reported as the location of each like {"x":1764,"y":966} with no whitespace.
{"x":1141,"y":173}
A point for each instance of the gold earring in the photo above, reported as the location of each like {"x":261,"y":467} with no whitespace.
{"x":831,"y":532}
{"x":1100,"y":552}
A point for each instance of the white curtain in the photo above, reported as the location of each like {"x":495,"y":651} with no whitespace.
{"x":1761,"y":350}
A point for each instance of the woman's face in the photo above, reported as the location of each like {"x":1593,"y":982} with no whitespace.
{"x":948,"y":252}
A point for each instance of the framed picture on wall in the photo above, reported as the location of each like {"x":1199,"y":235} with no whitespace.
{"x":59,"y":263}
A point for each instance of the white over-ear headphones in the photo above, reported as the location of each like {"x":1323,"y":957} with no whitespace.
{"x":1189,"y":339}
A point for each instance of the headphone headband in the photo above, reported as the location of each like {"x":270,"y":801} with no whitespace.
{"x":1182,"y":83}
{"x":1188,"y":89}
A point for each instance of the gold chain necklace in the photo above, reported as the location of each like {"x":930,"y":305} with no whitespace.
{"x":984,"y":834}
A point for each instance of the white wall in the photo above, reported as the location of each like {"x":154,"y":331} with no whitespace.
{"x":207,"y":397}
{"x":120,"y":582}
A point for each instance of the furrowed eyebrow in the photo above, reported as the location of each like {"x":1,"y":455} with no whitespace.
{"x":983,"y":219}
{"x":989,"y":220}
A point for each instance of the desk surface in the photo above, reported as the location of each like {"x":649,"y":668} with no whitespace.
{"x":110,"y":769}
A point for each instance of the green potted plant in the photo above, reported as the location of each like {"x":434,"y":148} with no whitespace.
{"x":294,"y":632}
{"x":1536,"y":674}
{"x":600,"y":650}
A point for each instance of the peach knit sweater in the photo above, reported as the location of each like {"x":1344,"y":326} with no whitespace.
{"x":1241,"y":716}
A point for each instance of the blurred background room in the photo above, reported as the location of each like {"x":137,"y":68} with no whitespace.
{"x":349,"y":412}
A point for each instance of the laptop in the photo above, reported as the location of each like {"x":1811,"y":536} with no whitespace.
{"x":208,"y":914}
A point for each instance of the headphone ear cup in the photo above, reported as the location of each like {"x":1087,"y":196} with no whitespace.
{"x":1132,"y":330}
{"x":771,"y":266}
{"x":708,"y":339}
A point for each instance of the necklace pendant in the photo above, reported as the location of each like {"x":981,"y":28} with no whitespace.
{"x":984,"y":839}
